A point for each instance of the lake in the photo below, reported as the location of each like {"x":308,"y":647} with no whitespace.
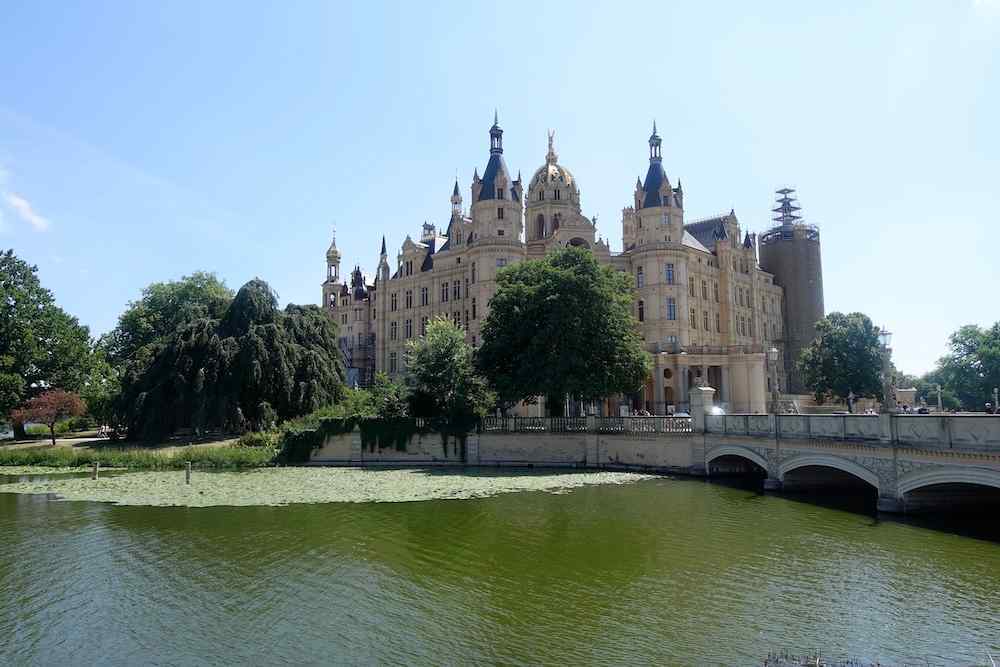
{"x":665,"y":571}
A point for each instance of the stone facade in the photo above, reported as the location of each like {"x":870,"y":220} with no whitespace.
{"x":706,"y":309}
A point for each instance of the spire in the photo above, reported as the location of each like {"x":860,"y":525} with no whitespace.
{"x":456,"y":200}
{"x":638,"y":183}
{"x":383,"y":253}
{"x":332,"y":253}
{"x":551,"y":157}
{"x":654,"y":145}
{"x":496,"y":135}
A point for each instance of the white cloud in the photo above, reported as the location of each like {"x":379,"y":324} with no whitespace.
{"x":23,"y":208}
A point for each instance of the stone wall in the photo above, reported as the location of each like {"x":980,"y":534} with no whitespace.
{"x":420,"y":450}
{"x":635,"y":450}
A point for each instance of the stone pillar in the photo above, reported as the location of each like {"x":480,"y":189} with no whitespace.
{"x":682,"y":383}
{"x":758,"y":386}
{"x":658,"y":396}
{"x":889,"y":505}
{"x":701,"y":405}
{"x":724,"y":386}
{"x":885,"y":433}
{"x":357,"y":454}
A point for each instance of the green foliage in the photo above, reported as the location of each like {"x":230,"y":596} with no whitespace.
{"x":40,"y":344}
{"x":845,"y":356}
{"x":446,"y":389}
{"x":101,"y":388}
{"x":163,"y":308}
{"x":971,"y":368}
{"x":270,"y":439}
{"x":254,"y":367}
{"x":389,"y":400}
{"x":562,"y":326}
{"x":138,"y":458}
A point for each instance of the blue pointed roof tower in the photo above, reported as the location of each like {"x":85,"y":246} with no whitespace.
{"x":496,"y":170}
{"x":655,"y":176}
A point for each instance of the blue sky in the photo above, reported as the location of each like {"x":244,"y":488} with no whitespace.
{"x":143,"y":141}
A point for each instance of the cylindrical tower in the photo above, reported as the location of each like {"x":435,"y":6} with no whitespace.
{"x":791,"y":252}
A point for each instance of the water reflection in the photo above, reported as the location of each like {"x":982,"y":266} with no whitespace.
{"x":666,"y":571}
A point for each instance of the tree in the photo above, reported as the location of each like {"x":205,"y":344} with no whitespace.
{"x":562,"y":326}
{"x":51,"y":407}
{"x":388,"y":398}
{"x":254,"y":366}
{"x":445,"y":387}
{"x":971,"y":368}
{"x":845,"y":357}
{"x":162,"y":309}
{"x":41,"y":345}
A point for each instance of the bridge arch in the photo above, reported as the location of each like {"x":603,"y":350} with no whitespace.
{"x":918,"y":479}
{"x":827,"y":461}
{"x":734,"y":450}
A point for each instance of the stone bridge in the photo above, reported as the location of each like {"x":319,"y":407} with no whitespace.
{"x":909,"y":460}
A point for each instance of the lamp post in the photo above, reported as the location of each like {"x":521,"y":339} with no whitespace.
{"x":938,"y":388}
{"x":772,"y":356}
{"x":889,"y":397}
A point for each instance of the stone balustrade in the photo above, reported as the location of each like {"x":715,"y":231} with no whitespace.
{"x":964,"y":432}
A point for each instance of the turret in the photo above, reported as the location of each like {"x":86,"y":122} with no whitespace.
{"x":497,"y":206}
{"x":333,"y":260}
{"x":791,"y":252}
{"x":658,"y":212}
{"x":456,"y":201}
{"x":383,"y":263}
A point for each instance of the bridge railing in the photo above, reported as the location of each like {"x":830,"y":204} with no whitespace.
{"x":971,"y":432}
{"x":659,"y":424}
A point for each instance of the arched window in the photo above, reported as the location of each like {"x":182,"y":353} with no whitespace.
{"x":540,"y":226}
{"x":556,"y":219}
{"x":639,"y":278}
{"x":642,"y":311}
{"x":557,"y":194}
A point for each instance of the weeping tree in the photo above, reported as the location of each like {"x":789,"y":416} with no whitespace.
{"x":254,"y":366}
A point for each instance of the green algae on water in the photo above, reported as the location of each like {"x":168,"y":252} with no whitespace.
{"x":285,"y":486}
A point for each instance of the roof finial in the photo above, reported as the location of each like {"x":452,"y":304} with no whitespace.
{"x":496,"y":135}
{"x":654,"y":145}
{"x":552,"y":157}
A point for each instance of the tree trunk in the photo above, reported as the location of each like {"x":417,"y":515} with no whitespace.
{"x":52,"y":432}
{"x":19,"y":432}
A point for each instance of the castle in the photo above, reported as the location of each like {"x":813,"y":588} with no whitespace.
{"x":707,"y":310}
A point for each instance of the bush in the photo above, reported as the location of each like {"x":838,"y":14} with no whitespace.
{"x":270,"y":439}
{"x":82,"y":423}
